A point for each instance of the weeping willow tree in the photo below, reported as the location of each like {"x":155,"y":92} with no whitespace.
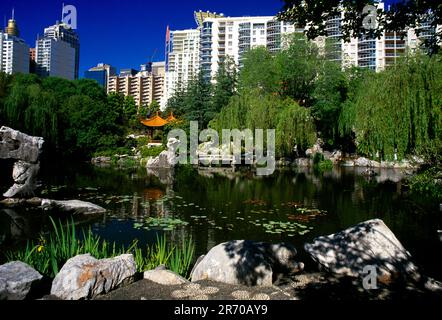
{"x":295,"y":129}
{"x":397,"y":111}
{"x":256,"y":110}
{"x":33,"y":110}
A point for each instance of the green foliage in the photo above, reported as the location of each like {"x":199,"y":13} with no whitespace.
{"x":295,"y":128}
{"x":427,"y":183}
{"x":398,"y":110}
{"x":151,"y":152}
{"x":255,"y":110}
{"x":74,"y":117}
{"x":259,"y":72}
{"x":176,"y":258}
{"x":53,"y":250}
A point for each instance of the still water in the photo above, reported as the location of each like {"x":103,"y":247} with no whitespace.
{"x":292,"y":205}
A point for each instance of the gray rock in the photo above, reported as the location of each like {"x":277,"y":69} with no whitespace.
{"x":24,"y":175}
{"x":303,"y":162}
{"x":16,"y":280}
{"x":164,"y":277}
{"x":26,"y":149}
{"x":348,"y":163}
{"x":369,"y":243}
{"x":84,"y":277}
{"x":74,"y":206}
{"x":246,"y":262}
{"x":19,"y":146}
{"x":362,"y":162}
{"x":167,"y":158}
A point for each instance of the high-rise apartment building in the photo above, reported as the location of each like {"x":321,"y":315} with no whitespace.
{"x":58,"y":52}
{"x":144,"y":86}
{"x":233,"y":37}
{"x":14,"y":52}
{"x":182,"y":58}
{"x":100,"y":73}
{"x":373,"y":53}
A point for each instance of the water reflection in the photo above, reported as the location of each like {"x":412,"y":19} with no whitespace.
{"x":213,"y":205}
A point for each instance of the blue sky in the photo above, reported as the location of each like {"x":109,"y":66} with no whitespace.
{"x":124,"y":33}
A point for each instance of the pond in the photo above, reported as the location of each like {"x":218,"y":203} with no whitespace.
{"x":216,"y":205}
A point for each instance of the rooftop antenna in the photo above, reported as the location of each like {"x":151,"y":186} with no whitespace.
{"x":62,"y":11}
{"x":13,"y":13}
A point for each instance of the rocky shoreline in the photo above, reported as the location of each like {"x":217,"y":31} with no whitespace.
{"x":363,"y":262}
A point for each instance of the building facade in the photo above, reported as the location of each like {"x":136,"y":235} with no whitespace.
{"x":14,"y":52}
{"x":182,"y":58}
{"x":100,"y":73}
{"x":58,"y":52}
{"x":144,"y":86}
{"x":223,"y":37}
{"x":372,"y":53}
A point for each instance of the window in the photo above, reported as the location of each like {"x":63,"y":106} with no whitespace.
{"x":262,"y":32}
{"x":230,"y":43}
{"x":230,"y":36}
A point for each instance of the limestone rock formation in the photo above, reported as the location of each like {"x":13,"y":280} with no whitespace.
{"x":26,"y":149}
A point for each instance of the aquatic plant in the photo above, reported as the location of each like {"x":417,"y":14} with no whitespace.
{"x":50,"y":252}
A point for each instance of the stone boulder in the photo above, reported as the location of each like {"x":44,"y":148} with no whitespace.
{"x":25,"y":179}
{"x":164,"y":277}
{"x":303,"y":162}
{"x":84,"y":277}
{"x":76,"y":207}
{"x":16,"y":280}
{"x":362,"y":162}
{"x":369,"y":243}
{"x":19,"y":146}
{"x":26,"y":149}
{"x":243,"y":262}
{"x":167,"y":159}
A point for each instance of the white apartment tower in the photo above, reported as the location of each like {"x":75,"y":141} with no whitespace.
{"x":14,"y":52}
{"x":233,"y":37}
{"x":182,"y":58}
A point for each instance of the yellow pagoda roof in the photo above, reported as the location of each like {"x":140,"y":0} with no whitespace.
{"x":155,"y":121}
{"x":171,"y":117}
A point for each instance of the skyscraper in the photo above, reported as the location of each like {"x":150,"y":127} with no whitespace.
{"x":14,"y":52}
{"x":182,"y":58}
{"x":100,"y":73}
{"x":233,"y":37}
{"x":58,"y":52}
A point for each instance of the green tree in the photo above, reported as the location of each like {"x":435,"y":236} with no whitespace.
{"x":259,"y":71}
{"x":224,"y":87}
{"x":298,"y":66}
{"x":397,"y":111}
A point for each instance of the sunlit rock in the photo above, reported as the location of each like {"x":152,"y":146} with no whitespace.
{"x":369,"y":243}
{"x":84,"y":277}
{"x":246,"y":262}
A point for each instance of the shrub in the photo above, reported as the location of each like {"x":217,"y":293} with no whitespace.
{"x":151,"y":152}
